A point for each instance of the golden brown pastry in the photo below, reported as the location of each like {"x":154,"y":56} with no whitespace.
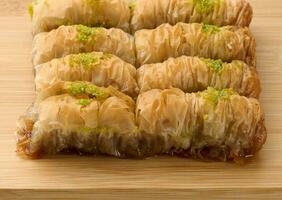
{"x":151,"y":14}
{"x":192,"y":74}
{"x":50,"y":14}
{"x":97,"y":67}
{"x":214,"y":124}
{"x":81,"y":39}
{"x":83,"y":117}
{"x":226,"y":43}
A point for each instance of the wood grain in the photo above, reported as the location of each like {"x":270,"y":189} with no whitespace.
{"x":75,"y":177}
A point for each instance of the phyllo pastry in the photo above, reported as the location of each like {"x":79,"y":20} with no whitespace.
{"x":81,"y":39}
{"x":50,"y":14}
{"x":193,"y":74}
{"x":84,"y":118}
{"x":226,"y":43}
{"x":213,"y":124}
{"x":150,"y":14}
{"x":100,"y":68}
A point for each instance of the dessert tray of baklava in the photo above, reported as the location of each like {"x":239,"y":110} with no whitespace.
{"x":140,"y":78}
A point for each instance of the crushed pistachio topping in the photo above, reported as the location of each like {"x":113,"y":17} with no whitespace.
{"x":205,"y":6}
{"x":87,"y":60}
{"x":86,"y":34}
{"x":83,"y":88}
{"x":93,"y":90}
{"x":214,"y":96}
{"x":207,"y":28}
{"x":215,"y":65}
{"x":218,"y":65}
{"x":85,"y":102}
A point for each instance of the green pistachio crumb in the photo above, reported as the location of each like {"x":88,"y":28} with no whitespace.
{"x":207,"y":28}
{"x":205,"y":6}
{"x":219,"y":66}
{"x":77,"y":88}
{"x":214,"y":96}
{"x":94,"y":91}
{"x":84,"y":102}
{"x":215,"y":65}
{"x":86,"y":34}
{"x":83,"y":88}
{"x":87,"y":60}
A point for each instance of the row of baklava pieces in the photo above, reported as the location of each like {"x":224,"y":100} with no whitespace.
{"x":80,"y":116}
{"x":136,"y":15}
{"x":149,"y":46}
{"x":190,"y":74}
{"x":164,"y":55}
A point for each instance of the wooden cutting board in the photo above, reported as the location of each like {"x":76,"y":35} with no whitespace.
{"x":76,"y":177}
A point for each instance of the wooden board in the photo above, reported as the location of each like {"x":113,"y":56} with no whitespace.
{"x":160,"y":178}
